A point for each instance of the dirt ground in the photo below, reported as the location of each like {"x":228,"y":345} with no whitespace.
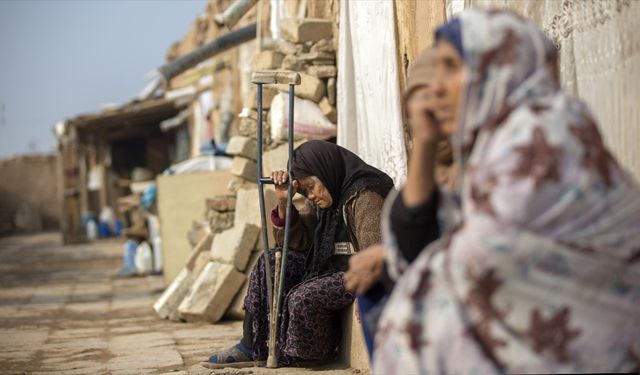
{"x":61,"y":311}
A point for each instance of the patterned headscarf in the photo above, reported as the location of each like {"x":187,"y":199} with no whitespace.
{"x":539,"y":270}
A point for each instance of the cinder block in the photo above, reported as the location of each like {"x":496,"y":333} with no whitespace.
{"x":234,"y":245}
{"x":243,"y":146}
{"x":251,"y":100}
{"x":300,"y":30}
{"x":266,"y":60}
{"x":310,"y":88}
{"x":319,"y":58}
{"x":220,"y":221}
{"x":245,"y":168}
{"x":276,"y":158}
{"x":328,"y":110}
{"x":322,"y":71}
{"x":212,"y":293}
{"x":236,"y":309}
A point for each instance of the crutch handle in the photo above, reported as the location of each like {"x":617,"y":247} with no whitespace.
{"x":267,"y":180}
{"x":276,"y":76}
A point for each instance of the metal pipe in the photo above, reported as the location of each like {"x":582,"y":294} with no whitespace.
{"x":234,"y":12}
{"x":221,"y":44}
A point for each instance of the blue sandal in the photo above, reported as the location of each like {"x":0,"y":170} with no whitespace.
{"x":237,"y":356}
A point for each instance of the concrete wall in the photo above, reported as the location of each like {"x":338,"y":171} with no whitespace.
{"x":28,"y":194}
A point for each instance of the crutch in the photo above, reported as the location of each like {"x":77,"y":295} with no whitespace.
{"x":275,"y":296}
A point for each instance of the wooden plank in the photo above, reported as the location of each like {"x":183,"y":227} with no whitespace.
{"x":181,"y":200}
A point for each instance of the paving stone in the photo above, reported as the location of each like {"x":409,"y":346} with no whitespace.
{"x":245,"y":168}
{"x":243,"y":146}
{"x":212,"y":293}
{"x":234,"y":245}
{"x":298,"y":30}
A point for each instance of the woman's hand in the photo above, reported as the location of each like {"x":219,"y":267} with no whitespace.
{"x":422,"y":123}
{"x":280,"y":180}
{"x":365,"y":269}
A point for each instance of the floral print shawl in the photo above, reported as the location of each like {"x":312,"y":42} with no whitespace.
{"x":538,"y":269}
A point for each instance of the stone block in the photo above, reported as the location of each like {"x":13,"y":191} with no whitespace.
{"x":322,"y":71}
{"x":236,"y":309}
{"x":234,"y":246}
{"x":266,"y":60}
{"x":237,"y":183}
{"x":212,"y":293}
{"x":220,"y":221}
{"x":319,"y":58}
{"x":251,"y":101}
{"x":243,"y":146}
{"x":300,"y":30}
{"x":328,"y":110}
{"x":245,"y":168}
{"x":287,"y":48}
{"x":310,"y":88}
{"x":221,"y":203}
{"x":276,"y":158}
{"x":248,"y":209}
{"x":331,"y":90}
{"x":167,"y":305}
{"x":323,"y":45}
{"x":293,"y":62}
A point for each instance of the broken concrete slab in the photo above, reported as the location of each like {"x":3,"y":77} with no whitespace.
{"x":266,"y":60}
{"x":245,"y":168}
{"x":322,"y":71}
{"x":310,"y":88}
{"x":243,"y":146}
{"x":319,"y":58}
{"x":167,"y":305}
{"x":328,"y":110}
{"x":234,"y":246}
{"x":236,"y":309}
{"x":276,"y":158}
{"x":300,"y":30}
{"x":212,"y":293}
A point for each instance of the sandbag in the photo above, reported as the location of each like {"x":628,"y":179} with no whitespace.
{"x":310,"y":123}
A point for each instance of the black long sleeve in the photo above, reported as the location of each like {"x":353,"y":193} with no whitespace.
{"x":415,"y":227}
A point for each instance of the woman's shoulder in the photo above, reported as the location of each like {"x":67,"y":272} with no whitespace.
{"x":365,"y":201}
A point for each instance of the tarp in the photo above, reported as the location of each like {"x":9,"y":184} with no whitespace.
{"x":369,"y":118}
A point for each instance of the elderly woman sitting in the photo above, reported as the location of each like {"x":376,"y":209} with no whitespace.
{"x":345,"y":198}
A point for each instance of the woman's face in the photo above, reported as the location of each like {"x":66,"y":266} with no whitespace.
{"x":315,"y":191}
{"x":446,"y":87}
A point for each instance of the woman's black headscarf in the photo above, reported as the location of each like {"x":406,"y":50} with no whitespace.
{"x":344,"y":174}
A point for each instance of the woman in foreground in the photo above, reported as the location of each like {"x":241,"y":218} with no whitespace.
{"x":538,"y":266}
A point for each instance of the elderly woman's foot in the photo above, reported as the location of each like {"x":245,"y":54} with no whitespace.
{"x":236,"y":356}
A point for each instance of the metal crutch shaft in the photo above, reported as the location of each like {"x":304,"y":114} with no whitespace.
{"x":275,"y":296}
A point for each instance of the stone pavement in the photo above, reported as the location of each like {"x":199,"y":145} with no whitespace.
{"x":62,"y":312}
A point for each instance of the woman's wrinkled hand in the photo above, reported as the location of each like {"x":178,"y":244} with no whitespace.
{"x":280,"y":180}
{"x":365,"y":269}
